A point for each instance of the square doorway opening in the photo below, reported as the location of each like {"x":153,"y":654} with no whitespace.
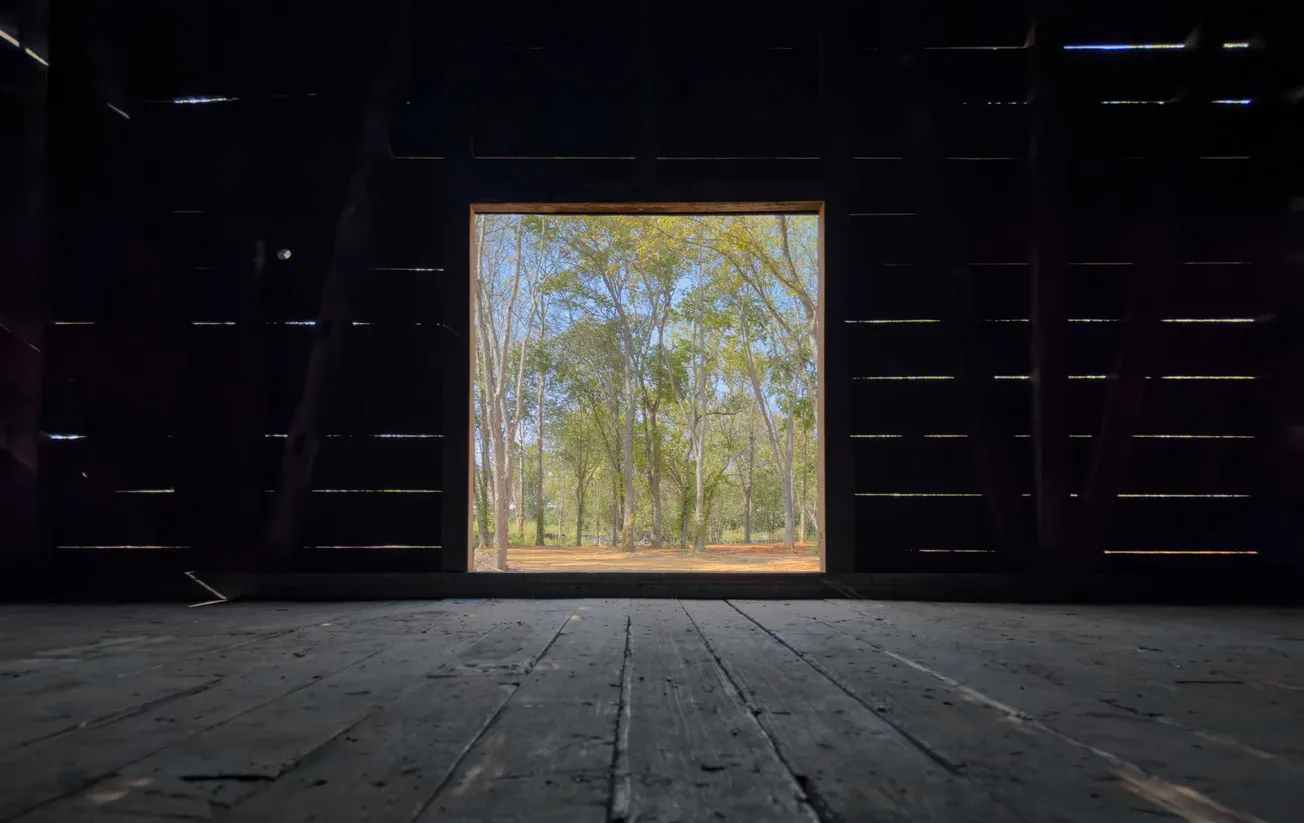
{"x":646,"y":388}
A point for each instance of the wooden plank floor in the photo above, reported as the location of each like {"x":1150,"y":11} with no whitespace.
{"x":650,"y":710}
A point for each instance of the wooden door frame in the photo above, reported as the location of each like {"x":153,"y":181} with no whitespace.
{"x":802,"y":207}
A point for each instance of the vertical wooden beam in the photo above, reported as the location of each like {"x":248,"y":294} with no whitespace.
{"x":221,"y":487}
{"x":1048,"y":259}
{"x":1280,"y":522}
{"x":22,"y":313}
{"x":1153,"y":239}
{"x":841,"y":295}
{"x":348,"y":265}
{"x":941,"y":264}
{"x":1139,"y":340}
{"x":456,"y":297}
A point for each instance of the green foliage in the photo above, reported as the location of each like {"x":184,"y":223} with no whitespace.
{"x":691,"y":306}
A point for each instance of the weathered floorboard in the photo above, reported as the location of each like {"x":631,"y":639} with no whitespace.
{"x":547,"y":755}
{"x":388,"y":766}
{"x":662,"y":710}
{"x":851,"y":761}
{"x":1230,"y":687}
{"x":689,"y":727}
{"x":219,"y":758}
{"x":1049,"y":691}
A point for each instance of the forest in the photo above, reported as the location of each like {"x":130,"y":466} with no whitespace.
{"x":646,"y":381}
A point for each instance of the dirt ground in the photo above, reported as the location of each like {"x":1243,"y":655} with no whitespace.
{"x":763,"y":557}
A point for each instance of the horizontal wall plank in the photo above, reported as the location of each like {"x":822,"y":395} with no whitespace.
{"x":919,"y":464}
{"x":1170,"y":406}
{"x":92,"y":519}
{"x":369,"y":462}
{"x":1223,"y":290}
{"x":888,"y":526}
{"x":373,"y":520}
{"x":1184,"y":524}
{"x":1090,"y":348}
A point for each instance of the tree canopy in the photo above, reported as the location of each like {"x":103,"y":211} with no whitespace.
{"x":646,"y":380}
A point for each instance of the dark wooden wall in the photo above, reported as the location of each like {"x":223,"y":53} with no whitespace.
{"x":176,"y":356}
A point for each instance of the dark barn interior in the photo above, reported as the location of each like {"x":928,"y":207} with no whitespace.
{"x":1063,"y":249}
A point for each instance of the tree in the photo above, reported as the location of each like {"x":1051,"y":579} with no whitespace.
{"x":503,"y":334}
{"x":774,"y":368}
{"x":616,"y":277}
{"x":656,"y":352}
{"x":575,"y":438}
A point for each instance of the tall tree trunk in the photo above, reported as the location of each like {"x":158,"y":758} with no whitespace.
{"x":482,"y":479}
{"x":788,"y":486}
{"x":627,"y":528}
{"x":538,"y":521}
{"x":502,"y":431}
{"x":699,"y":505}
{"x":579,"y":514}
{"x":699,"y":445}
{"x":482,"y":505}
{"x":520,"y":501}
{"x":782,"y":455}
{"x":747,"y":484}
{"x":652,"y":429}
{"x":683,"y":521}
{"x":502,"y":479}
{"x":801,"y":531}
{"x":615,"y":508}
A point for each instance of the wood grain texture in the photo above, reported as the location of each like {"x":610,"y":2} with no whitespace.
{"x":881,"y":773}
{"x":1087,"y":702}
{"x":1024,"y":775}
{"x":391,"y":764}
{"x":654,"y":710}
{"x":690,"y":727}
{"x":548,"y":754}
